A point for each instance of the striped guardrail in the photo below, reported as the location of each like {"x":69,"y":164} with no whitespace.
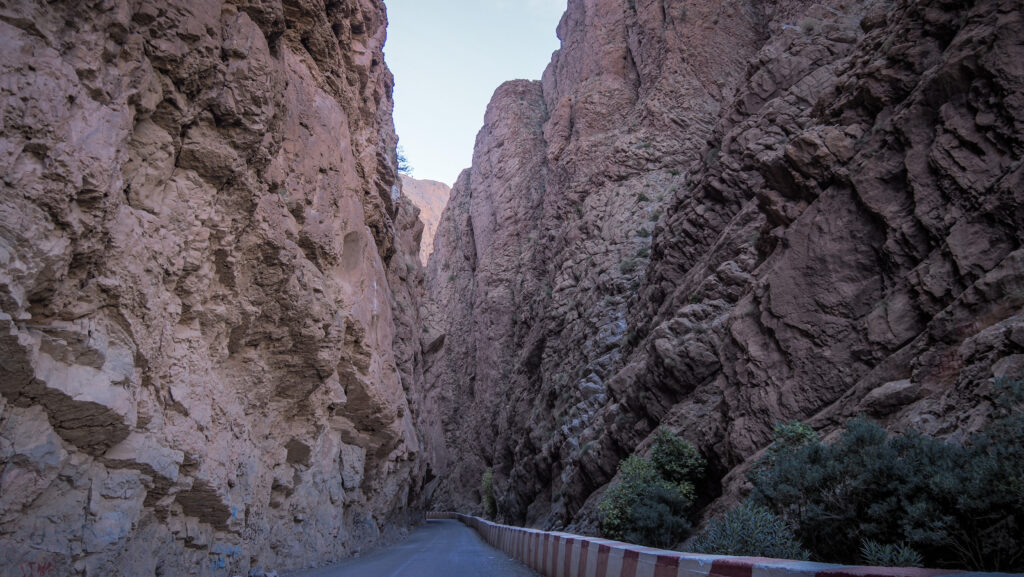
{"x":566,"y":555}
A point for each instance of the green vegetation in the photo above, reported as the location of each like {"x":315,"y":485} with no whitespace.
{"x":643,"y":232}
{"x":653,"y":497}
{"x":643,"y":252}
{"x":676,"y":460}
{"x":403,"y":163}
{"x":789,"y":436}
{"x":487,"y":493}
{"x":877,"y":555}
{"x":749,"y":530}
{"x":906,"y":498}
{"x":627,"y":266}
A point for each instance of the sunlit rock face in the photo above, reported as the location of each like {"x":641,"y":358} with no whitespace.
{"x":718,"y":216}
{"x":429,"y":196}
{"x":209,"y":338}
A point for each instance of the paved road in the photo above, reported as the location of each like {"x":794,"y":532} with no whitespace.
{"x":437,"y":549}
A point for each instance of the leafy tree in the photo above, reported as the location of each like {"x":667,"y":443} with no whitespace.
{"x":403,"y":163}
{"x":650,"y":503}
{"x":676,"y":460}
{"x":959,"y":505}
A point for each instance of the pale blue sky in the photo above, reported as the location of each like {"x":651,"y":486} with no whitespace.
{"x":448,"y":56}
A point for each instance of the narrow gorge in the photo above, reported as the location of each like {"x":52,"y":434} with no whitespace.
{"x":718,"y":216}
{"x":233,"y":338}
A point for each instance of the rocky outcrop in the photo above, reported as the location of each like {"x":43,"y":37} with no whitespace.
{"x":833,"y":191}
{"x":429,"y":196}
{"x":208,"y":283}
{"x":483,"y":283}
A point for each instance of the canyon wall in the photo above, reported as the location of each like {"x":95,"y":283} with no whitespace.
{"x":429,"y":196}
{"x":209,"y":326}
{"x":716,"y":216}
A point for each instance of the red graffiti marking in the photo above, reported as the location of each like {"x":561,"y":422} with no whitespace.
{"x":40,"y":569}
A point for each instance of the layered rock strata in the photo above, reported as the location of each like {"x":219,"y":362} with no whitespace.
{"x":429,"y":196}
{"x":834,"y":193}
{"x":209,"y":337}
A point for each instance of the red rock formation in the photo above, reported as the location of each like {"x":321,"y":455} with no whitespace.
{"x":837,"y":195}
{"x":429,"y":196}
{"x":208,"y":281}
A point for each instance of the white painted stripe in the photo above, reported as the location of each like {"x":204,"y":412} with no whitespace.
{"x":592,"y":559}
{"x":646,"y":563}
{"x":560,"y":559}
{"x":615,"y":561}
{"x":574,"y":562}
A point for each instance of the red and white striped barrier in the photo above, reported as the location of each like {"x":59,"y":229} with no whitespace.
{"x":566,"y":555}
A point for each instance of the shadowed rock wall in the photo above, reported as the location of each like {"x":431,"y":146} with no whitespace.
{"x":209,"y":288}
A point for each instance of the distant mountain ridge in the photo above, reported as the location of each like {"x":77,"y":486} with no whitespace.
{"x":430,"y":196}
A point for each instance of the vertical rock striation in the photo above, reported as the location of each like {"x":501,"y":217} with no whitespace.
{"x":718,"y":216}
{"x":209,"y":332}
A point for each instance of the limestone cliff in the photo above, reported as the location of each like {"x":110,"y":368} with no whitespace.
{"x":429,"y":196}
{"x":209,"y":333}
{"x":717,"y":216}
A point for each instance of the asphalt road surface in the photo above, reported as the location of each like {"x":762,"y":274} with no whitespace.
{"x":437,"y":549}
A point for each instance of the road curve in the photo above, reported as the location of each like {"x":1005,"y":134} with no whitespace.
{"x":437,"y":549}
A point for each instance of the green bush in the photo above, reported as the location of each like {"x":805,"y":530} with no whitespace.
{"x":749,"y":530}
{"x":650,"y":503}
{"x":676,"y":460}
{"x":877,"y":555}
{"x":658,"y":519}
{"x":487,"y":493}
{"x":958,"y":505}
{"x":792,"y":435}
{"x":636,"y":474}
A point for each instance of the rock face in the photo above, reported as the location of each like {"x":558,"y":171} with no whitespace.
{"x":209,"y":339}
{"x":429,"y":196}
{"x":718,"y":216}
